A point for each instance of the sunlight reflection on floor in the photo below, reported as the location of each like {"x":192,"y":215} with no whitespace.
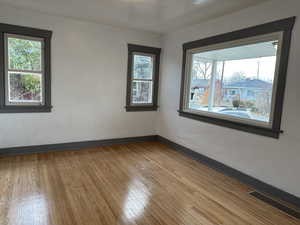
{"x":136,"y":201}
{"x":31,"y":210}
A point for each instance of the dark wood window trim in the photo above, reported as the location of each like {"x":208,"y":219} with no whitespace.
{"x":35,"y":33}
{"x":285,"y":26}
{"x":146,"y":50}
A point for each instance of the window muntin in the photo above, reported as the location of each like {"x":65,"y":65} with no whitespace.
{"x":142,"y":79}
{"x":228,"y":72}
{"x":24,"y":70}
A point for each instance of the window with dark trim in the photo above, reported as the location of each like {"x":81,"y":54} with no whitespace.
{"x":142,"y":78}
{"x":25,"y":69}
{"x":237,"y":80}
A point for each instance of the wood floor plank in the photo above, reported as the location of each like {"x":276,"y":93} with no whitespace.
{"x":131,"y":184}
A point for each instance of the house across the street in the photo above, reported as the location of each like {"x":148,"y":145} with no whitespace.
{"x":246,"y":90}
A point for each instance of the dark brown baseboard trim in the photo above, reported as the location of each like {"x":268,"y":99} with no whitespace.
{"x":73,"y":145}
{"x":276,"y":204}
{"x":229,"y":171}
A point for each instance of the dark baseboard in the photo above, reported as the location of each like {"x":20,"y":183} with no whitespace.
{"x":73,"y":145}
{"x":276,"y":204}
{"x":242,"y":177}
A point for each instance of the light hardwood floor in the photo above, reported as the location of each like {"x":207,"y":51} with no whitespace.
{"x":140,"y":184}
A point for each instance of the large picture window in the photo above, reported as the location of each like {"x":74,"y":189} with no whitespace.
{"x":25,"y":69}
{"x":238,"y":79}
{"x":142,"y":78}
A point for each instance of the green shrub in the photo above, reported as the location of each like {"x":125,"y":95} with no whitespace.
{"x":236,"y":103}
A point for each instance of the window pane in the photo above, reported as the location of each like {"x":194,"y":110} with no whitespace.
{"x":24,"y":54}
{"x":142,"y":92}
{"x":143,"y":67}
{"x":235,"y":81}
{"x":200,"y":79}
{"x":25,"y":87}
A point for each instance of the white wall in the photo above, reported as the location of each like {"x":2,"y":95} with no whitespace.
{"x":276,"y":162}
{"x":89,"y":70}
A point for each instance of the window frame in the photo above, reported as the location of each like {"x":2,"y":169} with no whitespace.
{"x":231,"y":44}
{"x":7,"y":30}
{"x":285,"y":27}
{"x":148,"y":51}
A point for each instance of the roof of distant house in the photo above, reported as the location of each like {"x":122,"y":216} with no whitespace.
{"x":250,"y":83}
{"x":246,"y":83}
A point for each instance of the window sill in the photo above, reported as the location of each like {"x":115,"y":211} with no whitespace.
{"x":140,"y":108}
{"x":26,"y":109}
{"x":231,"y":124}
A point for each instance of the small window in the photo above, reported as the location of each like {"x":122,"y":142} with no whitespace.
{"x":142,"y":80}
{"x":26,"y":69}
{"x":232,"y":92}
{"x":243,"y":74}
{"x":251,"y":93}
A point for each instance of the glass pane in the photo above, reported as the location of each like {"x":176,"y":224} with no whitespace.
{"x":143,"y":67}
{"x":25,"y":87}
{"x":200,"y":78}
{"x":236,"y":82}
{"x":24,"y":54}
{"x":142,"y":92}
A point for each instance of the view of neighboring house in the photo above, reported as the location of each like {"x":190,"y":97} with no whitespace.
{"x":252,"y":93}
{"x":247,"y":90}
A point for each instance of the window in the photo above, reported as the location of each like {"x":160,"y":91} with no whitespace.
{"x":232,"y":92}
{"x":250,"y":93}
{"x":142,"y":78}
{"x":25,"y":69}
{"x":243,"y":75}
